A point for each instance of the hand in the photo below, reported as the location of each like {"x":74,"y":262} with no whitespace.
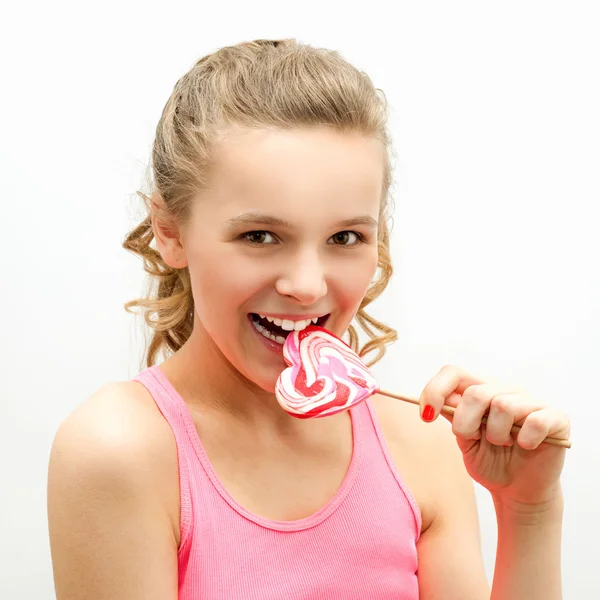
{"x":517,"y":469}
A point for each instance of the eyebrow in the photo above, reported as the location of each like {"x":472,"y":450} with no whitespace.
{"x":254,"y":218}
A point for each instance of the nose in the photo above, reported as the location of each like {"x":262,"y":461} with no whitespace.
{"x":303,"y":279}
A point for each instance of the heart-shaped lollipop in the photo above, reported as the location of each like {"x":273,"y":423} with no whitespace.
{"x":325,"y":376}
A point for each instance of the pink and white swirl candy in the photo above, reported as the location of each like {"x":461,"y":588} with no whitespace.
{"x":325,"y":376}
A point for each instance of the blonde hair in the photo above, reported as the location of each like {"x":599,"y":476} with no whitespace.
{"x":260,"y":84}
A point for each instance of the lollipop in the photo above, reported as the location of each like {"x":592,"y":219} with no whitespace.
{"x":325,"y":376}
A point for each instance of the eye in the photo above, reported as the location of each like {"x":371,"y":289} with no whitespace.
{"x":258,"y":238}
{"x":347,"y":238}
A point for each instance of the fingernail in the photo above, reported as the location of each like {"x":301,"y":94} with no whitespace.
{"x":428,"y":413}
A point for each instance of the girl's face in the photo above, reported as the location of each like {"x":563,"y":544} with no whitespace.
{"x":286,"y":234}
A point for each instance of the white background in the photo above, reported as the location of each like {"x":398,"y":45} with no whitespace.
{"x":496,"y":122}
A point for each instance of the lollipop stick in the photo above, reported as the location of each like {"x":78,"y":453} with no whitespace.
{"x":449,"y":410}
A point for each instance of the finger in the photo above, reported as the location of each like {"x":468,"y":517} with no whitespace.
{"x":474,"y":404}
{"x":445,"y":388}
{"x":501,"y":418}
{"x":500,"y":407}
{"x":546,"y":422}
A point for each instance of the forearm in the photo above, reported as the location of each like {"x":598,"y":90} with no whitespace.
{"x":528,"y":557}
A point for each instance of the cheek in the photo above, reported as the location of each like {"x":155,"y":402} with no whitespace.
{"x":221,"y":282}
{"x":352,"y":278}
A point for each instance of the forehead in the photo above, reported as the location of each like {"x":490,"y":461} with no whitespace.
{"x":297,"y":169}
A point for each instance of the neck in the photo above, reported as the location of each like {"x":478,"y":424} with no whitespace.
{"x":208,"y":382}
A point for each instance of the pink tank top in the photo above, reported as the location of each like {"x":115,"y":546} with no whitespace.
{"x":361,"y":544}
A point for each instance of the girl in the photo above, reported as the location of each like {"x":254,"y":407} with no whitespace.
{"x":270,"y":211}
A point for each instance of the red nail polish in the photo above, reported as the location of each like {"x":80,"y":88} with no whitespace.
{"x":428,"y":413}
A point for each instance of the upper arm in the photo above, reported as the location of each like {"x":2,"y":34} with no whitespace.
{"x":449,"y":551}
{"x":110,"y":533}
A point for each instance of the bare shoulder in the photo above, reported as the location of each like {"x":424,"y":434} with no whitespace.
{"x":112,"y":485}
{"x":127,"y":400}
{"x":403,"y":423}
{"x":426,"y":454}
{"x":120,"y":420}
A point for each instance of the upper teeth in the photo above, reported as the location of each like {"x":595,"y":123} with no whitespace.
{"x":289,"y":325}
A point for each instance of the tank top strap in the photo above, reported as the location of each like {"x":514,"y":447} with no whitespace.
{"x":377,"y":451}
{"x":176,"y":413}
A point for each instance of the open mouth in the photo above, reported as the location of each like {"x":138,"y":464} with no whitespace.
{"x":278,"y":329}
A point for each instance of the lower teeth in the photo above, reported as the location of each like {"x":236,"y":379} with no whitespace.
{"x":276,"y":338}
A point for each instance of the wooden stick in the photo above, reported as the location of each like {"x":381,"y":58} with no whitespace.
{"x":449,"y":410}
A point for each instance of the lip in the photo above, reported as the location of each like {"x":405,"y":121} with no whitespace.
{"x":276,"y":346}
{"x":292,"y":317}
{"x":271,"y":345}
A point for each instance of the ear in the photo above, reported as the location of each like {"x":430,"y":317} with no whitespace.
{"x":168,"y":242}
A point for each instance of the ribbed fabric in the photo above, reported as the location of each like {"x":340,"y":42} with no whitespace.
{"x":360,"y":545}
